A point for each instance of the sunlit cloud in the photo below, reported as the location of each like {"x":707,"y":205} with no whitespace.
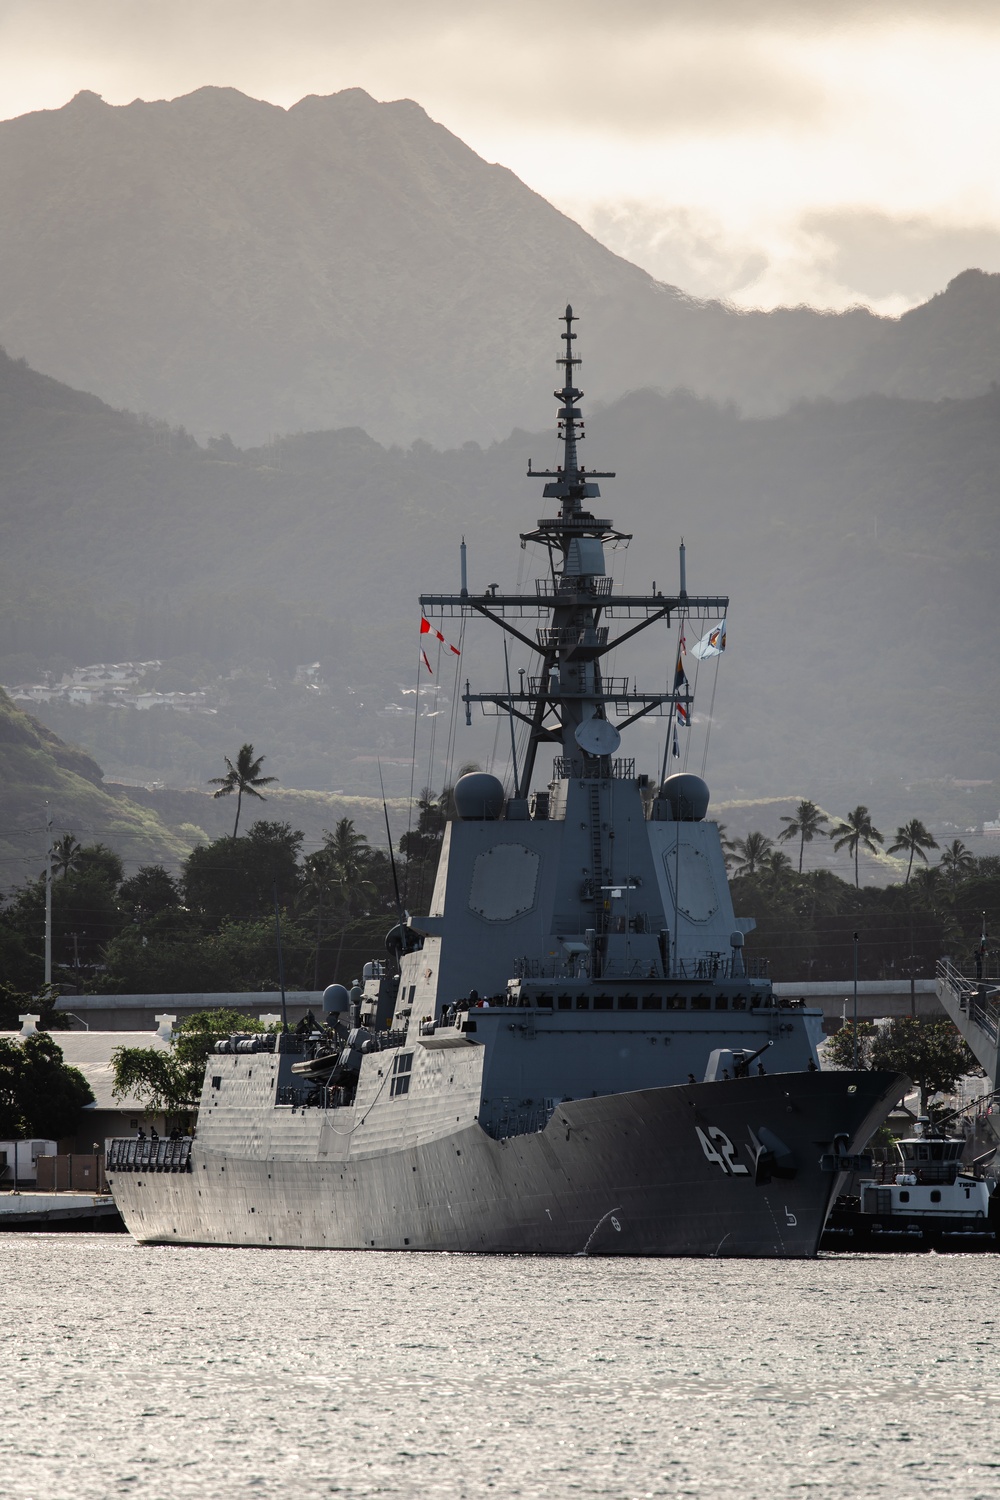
{"x":725,"y":147}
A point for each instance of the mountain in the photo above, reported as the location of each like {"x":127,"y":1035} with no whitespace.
{"x":859,"y":542}
{"x":239,"y":268}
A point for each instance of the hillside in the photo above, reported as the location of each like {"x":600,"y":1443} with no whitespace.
{"x":859,"y":542}
{"x":37,"y":771}
{"x":240,"y":268}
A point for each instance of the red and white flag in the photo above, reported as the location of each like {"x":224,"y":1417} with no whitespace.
{"x":426,"y":628}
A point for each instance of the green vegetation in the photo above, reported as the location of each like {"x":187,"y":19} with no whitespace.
{"x":930,"y":1052}
{"x":806,"y":922}
{"x":244,"y":779}
{"x":37,"y":768}
{"x":211,"y":928}
{"x":855,"y":831}
{"x":39,"y":1095}
{"x":172,"y":1081}
{"x":913,"y":839}
{"x":807,"y":822}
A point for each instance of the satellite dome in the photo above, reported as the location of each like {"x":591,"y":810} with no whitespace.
{"x":477,"y":796}
{"x":687,"y":795}
{"x":336,"y":1000}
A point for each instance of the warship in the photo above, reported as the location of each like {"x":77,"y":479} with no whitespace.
{"x":571,"y":1052}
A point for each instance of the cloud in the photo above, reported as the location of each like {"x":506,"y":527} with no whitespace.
{"x":909,"y":258}
{"x":836,"y":259}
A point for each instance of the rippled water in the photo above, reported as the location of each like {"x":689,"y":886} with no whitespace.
{"x":168,"y":1373}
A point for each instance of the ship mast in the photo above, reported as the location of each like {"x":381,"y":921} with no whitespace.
{"x":567,"y":699}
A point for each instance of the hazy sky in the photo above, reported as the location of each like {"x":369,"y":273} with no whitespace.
{"x":766,"y":150}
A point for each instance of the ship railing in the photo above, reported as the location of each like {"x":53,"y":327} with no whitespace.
{"x":708,"y":967}
{"x":574,"y":584}
{"x":613,"y":689}
{"x":130,"y":1155}
{"x":565,"y":637}
{"x":884,"y":1173}
{"x":721,"y":965}
{"x":565,"y":767}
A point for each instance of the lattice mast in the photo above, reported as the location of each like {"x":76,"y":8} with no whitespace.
{"x":567,"y":700}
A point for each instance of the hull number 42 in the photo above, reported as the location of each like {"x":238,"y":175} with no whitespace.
{"x":719,"y":1148}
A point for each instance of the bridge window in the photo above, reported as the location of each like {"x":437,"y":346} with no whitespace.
{"x":628,"y":1002}
{"x":583,"y":1002}
{"x":603,"y":1002}
{"x":565,"y":1002}
{"x":652,"y":1002}
{"x":402,"y":1066}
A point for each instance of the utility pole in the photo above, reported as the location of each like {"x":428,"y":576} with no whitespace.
{"x":855,"y":1038}
{"x":48,"y":895}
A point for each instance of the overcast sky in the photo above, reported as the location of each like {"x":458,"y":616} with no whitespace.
{"x":769,"y":151}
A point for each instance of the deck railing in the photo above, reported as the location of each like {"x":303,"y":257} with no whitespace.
{"x":148,"y":1156}
{"x":979,"y":998}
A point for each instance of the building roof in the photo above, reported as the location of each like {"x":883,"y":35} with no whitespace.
{"x":90,"y":1051}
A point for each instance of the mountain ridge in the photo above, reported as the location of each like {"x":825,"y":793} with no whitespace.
{"x":858,"y":540}
{"x":236,"y":267}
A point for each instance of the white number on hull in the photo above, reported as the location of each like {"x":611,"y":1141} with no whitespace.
{"x":719,"y":1148}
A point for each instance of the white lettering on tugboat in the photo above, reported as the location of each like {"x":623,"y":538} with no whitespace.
{"x":719,"y":1148}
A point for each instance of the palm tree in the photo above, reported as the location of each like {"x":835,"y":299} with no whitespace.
{"x":65,"y":855}
{"x":243,"y":778}
{"x":957,"y":861}
{"x":807,"y":822}
{"x":856,"y":829}
{"x":751,"y":854}
{"x":346,"y":852}
{"x":913,"y":838}
{"x":726,"y":843}
{"x":776,"y":866}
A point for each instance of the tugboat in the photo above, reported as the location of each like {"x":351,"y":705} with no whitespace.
{"x":570,"y":1052}
{"x":921,"y":1201}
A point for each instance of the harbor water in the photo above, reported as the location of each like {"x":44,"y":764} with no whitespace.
{"x":186,"y":1374}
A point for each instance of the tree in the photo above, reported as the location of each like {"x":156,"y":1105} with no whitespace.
{"x":243,"y":778}
{"x":915,"y":839}
{"x":420,"y":848}
{"x":39,"y":1095}
{"x":235,"y":879}
{"x":172,"y":1080}
{"x":856,"y":829}
{"x":65,"y":852}
{"x":347,"y":854}
{"x":337,"y":879}
{"x":777,"y":867}
{"x":957,"y":861}
{"x":751,"y":854}
{"x":102,"y":863}
{"x":150,"y":893}
{"x":804,"y":826}
{"x":929,"y":1051}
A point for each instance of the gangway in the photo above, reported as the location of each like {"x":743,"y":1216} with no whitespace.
{"x":974,"y":1006}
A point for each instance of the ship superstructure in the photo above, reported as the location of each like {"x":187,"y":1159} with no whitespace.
{"x":569,"y":1052}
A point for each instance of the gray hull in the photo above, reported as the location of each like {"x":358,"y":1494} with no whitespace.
{"x":629,"y":1174}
